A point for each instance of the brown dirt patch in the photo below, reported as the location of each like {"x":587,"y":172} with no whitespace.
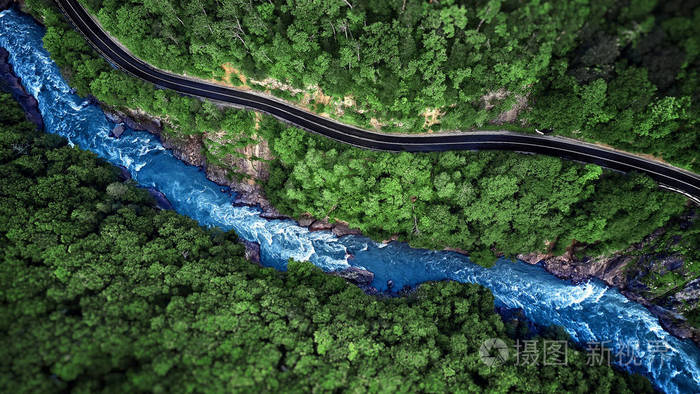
{"x":432,"y":117}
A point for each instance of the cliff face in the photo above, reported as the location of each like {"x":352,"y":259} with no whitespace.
{"x":253,"y":160}
{"x":239,"y":170}
{"x":243,"y":170}
{"x":632,"y":271}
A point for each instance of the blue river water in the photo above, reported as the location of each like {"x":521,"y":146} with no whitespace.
{"x":590,"y":312}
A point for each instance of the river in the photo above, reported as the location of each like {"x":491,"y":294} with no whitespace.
{"x":590,"y":312}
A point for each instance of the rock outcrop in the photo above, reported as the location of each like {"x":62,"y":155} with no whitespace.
{"x":117,"y":131}
{"x":608,"y":269}
{"x":161,"y":201}
{"x":627,"y":271}
{"x":252,"y":251}
{"x":10,"y":83}
{"x":358,"y":276}
{"x":135,"y":120}
{"x":305,"y":220}
{"x":320,"y":225}
{"x":341,"y":228}
{"x":124,"y":173}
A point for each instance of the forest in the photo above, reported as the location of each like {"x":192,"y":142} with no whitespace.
{"x":619,"y":72}
{"x":103,"y":292}
{"x":91,"y":75}
{"x":489,"y":204}
{"x":632,"y":82}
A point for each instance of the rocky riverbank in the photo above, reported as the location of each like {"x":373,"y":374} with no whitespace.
{"x":614,"y":270}
{"x":627,"y":271}
{"x":247,"y":189}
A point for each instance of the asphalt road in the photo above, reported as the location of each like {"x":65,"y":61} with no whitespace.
{"x":667,"y":176}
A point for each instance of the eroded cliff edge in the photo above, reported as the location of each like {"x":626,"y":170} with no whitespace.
{"x":630,"y":272}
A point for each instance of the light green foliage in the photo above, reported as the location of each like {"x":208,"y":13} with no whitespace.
{"x":481,"y":202}
{"x":398,"y":58}
{"x":662,"y":117}
{"x":103,"y":293}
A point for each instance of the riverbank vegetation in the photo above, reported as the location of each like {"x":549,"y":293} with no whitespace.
{"x":620,"y":72}
{"x":488,"y":203}
{"x":103,"y":292}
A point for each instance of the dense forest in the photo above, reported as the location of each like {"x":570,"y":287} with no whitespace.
{"x":621,"y":72}
{"x":487,"y":203}
{"x":396,"y":58}
{"x":633,"y":81}
{"x":100,"y":291}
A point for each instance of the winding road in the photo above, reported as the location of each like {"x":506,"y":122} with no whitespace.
{"x":667,"y":176}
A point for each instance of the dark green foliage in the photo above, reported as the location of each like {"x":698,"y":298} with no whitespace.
{"x":632,"y":82}
{"x":482,"y":202}
{"x":102,"y":292}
